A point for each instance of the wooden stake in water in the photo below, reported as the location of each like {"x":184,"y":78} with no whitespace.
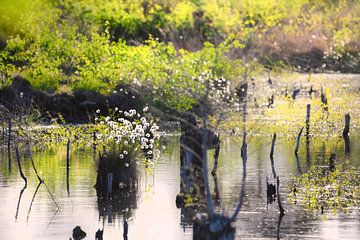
{"x":346,"y":133}
{"x":272,"y":155}
{"x":297,"y":149}
{"x":68,"y":153}
{"x":347,"y":126}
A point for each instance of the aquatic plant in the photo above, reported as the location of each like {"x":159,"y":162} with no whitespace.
{"x":335,"y":188}
{"x":129,"y":134}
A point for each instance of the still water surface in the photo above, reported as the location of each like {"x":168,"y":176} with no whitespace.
{"x":151,"y":211}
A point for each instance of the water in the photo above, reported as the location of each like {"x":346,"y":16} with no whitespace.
{"x":151,"y":211}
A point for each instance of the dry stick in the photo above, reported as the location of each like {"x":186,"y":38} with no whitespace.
{"x":242,"y":191}
{"x":297,"y":149}
{"x":272,"y":155}
{"x":19,"y":201}
{"x":32,"y":161}
{"x":19,"y":164}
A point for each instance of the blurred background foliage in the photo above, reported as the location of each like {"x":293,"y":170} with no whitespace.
{"x":162,"y":46}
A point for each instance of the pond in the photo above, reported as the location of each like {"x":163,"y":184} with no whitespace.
{"x":151,"y":211}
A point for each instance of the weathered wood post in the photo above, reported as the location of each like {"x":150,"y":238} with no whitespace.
{"x":347,"y":126}
{"x":297,"y":149}
{"x":346,"y":133}
{"x":94,"y":141}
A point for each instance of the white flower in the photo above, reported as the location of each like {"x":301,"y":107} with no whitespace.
{"x":127,"y":164}
{"x":125,"y":152}
{"x":126,"y":143}
{"x":121,"y":156}
{"x":98,"y":111}
{"x":146,"y":109}
{"x":116,"y":109}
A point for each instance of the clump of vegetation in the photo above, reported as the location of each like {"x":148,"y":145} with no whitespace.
{"x":334,"y":188}
{"x":125,"y":141}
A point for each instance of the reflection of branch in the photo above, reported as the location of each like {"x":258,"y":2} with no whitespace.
{"x":32,"y":200}
{"x":242,"y":191}
{"x":216,"y":190}
{"x":281,"y":209}
{"x":52,"y":196}
{"x":278,"y":226}
{"x":126,"y":227}
{"x":19,"y":200}
{"x":52,"y":219}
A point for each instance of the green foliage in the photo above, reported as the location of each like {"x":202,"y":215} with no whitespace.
{"x":98,"y":45}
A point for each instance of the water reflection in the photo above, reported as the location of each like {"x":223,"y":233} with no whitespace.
{"x":150,"y":210}
{"x":117,"y":205}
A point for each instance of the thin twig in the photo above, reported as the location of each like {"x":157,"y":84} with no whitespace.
{"x":32,"y":161}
